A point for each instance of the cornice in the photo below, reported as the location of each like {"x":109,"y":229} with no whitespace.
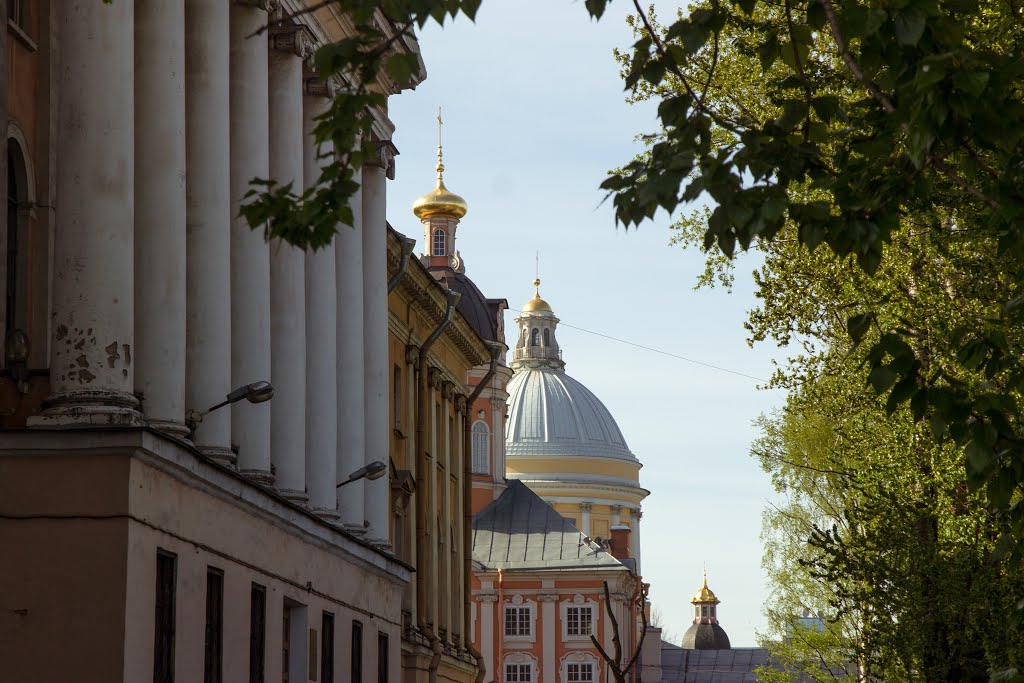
{"x":429,"y":299}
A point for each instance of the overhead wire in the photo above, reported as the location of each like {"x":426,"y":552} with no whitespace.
{"x":677,"y":356}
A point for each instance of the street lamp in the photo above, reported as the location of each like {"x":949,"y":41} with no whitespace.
{"x":257,"y":392}
{"x":374,"y":470}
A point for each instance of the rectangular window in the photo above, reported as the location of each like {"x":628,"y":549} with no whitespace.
{"x":517,"y":621}
{"x":580,"y":673}
{"x":163,"y":645}
{"x":579,"y":621}
{"x":214,"y":652}
{"x":327,"y":649}
{"x":286,"y":643}
{"x":257,"y":633}
{"x":518,"y":673}
{"x":357,"y":652}
{"x":396,"y":398}
{"x":382,"y":657}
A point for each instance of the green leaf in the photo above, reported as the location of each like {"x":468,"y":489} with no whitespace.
{"x":881,"y":378}
{"x":596,"y":7}
{"x":858,"y":325}
{"x":746,"y":5}
{"x":909,"y":27}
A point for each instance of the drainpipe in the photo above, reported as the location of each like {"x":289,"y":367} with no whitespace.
{"x":403,"y":265}
{"x":499,"y":615}
{"x":423,"y":487}
{"x":467,"y":509}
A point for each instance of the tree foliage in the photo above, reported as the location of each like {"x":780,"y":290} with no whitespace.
{"x":898,"y":452}
{"x":846,"y":125}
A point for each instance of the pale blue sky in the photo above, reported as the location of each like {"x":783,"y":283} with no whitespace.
{"x":535,"y":116}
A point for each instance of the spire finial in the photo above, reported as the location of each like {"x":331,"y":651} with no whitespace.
{"x":440,"y":160}
{"x":705,"y":574}
{"x":536,"y":288}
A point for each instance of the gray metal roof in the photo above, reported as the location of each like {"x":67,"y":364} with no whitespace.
{"x":737,"y":665}
{"x":550,"y":413}
{"x":521,"y":531}
{"x":711,"y":666}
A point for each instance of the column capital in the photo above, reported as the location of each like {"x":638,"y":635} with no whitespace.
{"x":547,"y":597}
{"x":386,"y":153}
{"x":296,"y":39}
{"x":616,"y":508}
{"x":447,"y":390}
{"x":586,"y":507}
{"x":313,"y":85}
{"x":412,"y":355}
{"x":460,"y":402}
{"x":487,"y":597}
{"x":434,"y":378}
{"x":636,"y":512}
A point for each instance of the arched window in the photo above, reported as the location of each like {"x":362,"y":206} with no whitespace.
{"x":547,"y":337}
{"x":535,"y":337}
{"x":481,"y":448}
{"x":439,"y":242}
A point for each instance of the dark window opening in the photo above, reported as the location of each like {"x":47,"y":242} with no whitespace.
{"x":396,"y":398}
{"x":535,"y":337}
{"x":327,"y":649}
{"x":382,"y":657}
{"x":214,"y":652}
{"x":357,"y":652}
{"x":547,"y":337}
{"x":257,"y":633}
{"x":163,"y":645}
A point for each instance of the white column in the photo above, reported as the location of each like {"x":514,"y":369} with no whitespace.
{"x":208,"y":220}
{"x":547,"y":618}
{"x":160,"y":213}
{"x":375,"y":341}
{"x":348,"y":258}
{"x":250,"y":261}
{"x":321,"y":330}
{"x":486,"y":645}
{"x":287,"y":269}
{"x":585,"y":518}
{"x":616,"y":515}
{"x":92,"y":316}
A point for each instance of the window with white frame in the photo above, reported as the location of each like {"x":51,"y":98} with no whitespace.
{"x":481,"y":448}
{"x":517,"y":620}
{"x":439,"y":242}
{"x":579,"y":673}
{"x":579,"y":620}
{"x":518,"y":673}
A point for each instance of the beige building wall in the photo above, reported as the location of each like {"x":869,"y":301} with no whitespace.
{"x":87,"y":527}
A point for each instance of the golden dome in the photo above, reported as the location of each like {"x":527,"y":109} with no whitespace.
{"x":441,"y":201}
{"x":705,"y":594}
{"x":536,"y":303}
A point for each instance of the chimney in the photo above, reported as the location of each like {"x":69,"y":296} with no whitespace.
{"x":620,"y":541}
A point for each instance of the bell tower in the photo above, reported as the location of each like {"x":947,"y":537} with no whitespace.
{"x":537,"y":345}
{"x":440,"y":211}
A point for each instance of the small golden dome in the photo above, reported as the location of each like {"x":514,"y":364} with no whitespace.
{"x":441,"y":201}
{"x":536,"y":303}
{"x":705,"y":594}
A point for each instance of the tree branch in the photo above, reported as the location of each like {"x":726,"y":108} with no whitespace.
{"x":851,"y":64}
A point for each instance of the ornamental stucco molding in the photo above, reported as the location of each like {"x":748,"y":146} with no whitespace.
{"x":296,"y":39}
{"x":487,"y":597}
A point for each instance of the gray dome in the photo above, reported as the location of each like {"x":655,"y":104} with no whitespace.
{"x":550,"y":413}
{"x":705,"y":637}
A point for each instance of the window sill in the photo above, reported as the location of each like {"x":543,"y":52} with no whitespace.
{"x":20,"y":34}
